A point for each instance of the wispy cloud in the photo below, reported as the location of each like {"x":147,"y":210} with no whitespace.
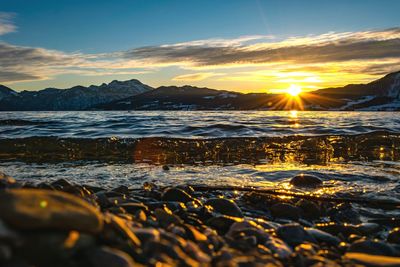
{"x":6,"y":23}
{"x":311,"y":49}
{"x":196,"y":76}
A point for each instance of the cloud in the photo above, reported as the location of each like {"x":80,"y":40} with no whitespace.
{"x":329,"y":47}
{"x":20,"y":63}
{"x":329,"y":59}
{"x":6,"y":23}
{"x":196,"y":76}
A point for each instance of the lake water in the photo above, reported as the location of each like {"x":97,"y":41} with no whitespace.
{"x":355,"y":153}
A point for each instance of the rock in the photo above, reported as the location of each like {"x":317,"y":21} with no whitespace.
{"x":132,"y":208}
{"x":225,"y":207}
{"x":372,"y":260}
{"x":194,"y":234}
{"x":7,"y":181}
{"x":49,"y":248}
{"x":61,"y":183}
{"x":323,"y":237}
{"x":165,"y":167}
{"x":39,"y":209}
{"x":122,"y":189}
{"x":121,"y":227}
{"x":279,"y":248}
{"x":306,"y":180}
{"x":394,"y":236}
{"x":310,"y":210}
{"x":176,"y":194}
{"x":373,"y":248}
{"x":146,"y":234}
{"x":222,"y":223}
{"x":337,"y":228}
{"x":368,"y":228}
{"x":165,"y":218}
{"x":286,"y":211}
{"x":345,"y":213}
{"x":294,"y":234}
{"x":106,"y":256}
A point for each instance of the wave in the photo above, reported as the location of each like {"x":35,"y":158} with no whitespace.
{"x":20,"y":122}
{"x":322,"y":149}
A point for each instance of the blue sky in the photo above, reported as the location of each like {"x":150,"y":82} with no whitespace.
{"x":89,"y":42}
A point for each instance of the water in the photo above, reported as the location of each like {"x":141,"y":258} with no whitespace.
{"x":355,"y":153}
{"x":193,"y":124}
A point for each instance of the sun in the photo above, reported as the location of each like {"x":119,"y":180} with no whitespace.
{"x":294,"y":90}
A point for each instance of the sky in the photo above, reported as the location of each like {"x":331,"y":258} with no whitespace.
{"x":241,"y":45}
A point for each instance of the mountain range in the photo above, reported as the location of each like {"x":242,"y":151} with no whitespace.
{"x":382,"y":94}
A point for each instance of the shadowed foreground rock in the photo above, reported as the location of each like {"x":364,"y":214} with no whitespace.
{"x":68,"y":225}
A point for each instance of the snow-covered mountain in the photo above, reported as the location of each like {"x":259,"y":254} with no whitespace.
{"x":382,"y":94}
{"x":75,"y":98}
{"x":6,"y":92}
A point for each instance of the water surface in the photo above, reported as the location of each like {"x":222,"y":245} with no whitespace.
{"x":354,"y":153}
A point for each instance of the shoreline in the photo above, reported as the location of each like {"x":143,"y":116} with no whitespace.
{"x":65,"y":224}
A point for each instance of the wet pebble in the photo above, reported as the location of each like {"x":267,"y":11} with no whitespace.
{"x":306,"y":180}
{"x":287,"y":211}
{"x":176,"y":194}
{"x":294,"y":234}
{"x":373,"y":247}
{"x":225,"y":207}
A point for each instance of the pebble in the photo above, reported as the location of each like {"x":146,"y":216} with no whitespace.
{"x":286,"y":211}
{"x":373,"y":247}
{"x":154,"y":227}
{"x":305,"y":180}
{"x":294,"y":234}
{"x":176,"y":194}
{"x":41,"y":209}
{"x":225,"y":207}
{"x":394,"y":236}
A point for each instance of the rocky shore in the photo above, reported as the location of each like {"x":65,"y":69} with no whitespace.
{"x":63,"y":224}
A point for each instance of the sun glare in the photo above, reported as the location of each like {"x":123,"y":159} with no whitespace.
{"x":294,"y":90}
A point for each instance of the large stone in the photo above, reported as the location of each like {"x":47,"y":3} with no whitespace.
{"x":225,"y":207}
{"x":39,"y":209}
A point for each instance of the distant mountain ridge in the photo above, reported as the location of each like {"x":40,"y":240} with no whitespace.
{"x":382,"y":94}
{"x":75,"y":98}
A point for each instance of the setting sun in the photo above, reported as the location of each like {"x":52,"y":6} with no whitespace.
{"x":294,"y":90}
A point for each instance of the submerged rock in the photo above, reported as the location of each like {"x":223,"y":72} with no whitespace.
{"x":306,"y":180}
{"x":38,"y":209}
